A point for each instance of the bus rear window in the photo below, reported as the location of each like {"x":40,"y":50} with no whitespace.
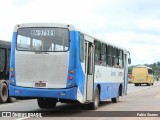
{"x":43,"y":39}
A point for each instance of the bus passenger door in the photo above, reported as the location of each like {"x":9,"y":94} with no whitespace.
{"x":89,"y":70}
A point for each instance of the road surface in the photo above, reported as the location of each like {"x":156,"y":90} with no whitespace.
{"x":139,"y":98}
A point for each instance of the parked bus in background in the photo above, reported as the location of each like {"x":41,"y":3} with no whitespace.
{"x":142,"y":75}
{"x":5,"y":48}
{"x":58,"y":63}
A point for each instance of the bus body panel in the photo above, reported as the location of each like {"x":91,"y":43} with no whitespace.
{"x":109,"y":80}
{"x":80,"y":75}
{"x":108,"y":74}
{"x":51,"y":68}
{"x":110,"y":90}
{"x":12,"y":59}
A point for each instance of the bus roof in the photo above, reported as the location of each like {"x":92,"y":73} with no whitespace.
{"x":70,"y":27}
{"x":141,"y":66}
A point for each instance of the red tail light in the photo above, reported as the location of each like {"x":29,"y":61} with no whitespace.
{"x":71,"y":71}
{"x":70,"y":78}
{"x":12,"y":75}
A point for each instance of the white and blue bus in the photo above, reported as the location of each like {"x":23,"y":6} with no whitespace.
{"x":58,"y":63}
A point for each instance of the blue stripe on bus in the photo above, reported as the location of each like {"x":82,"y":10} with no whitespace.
{"x":74,"y":62}
{"x":70,"y":93}
{"x":12,"y":58}
{"x":80,"y":76}
{"x":72,"y":59}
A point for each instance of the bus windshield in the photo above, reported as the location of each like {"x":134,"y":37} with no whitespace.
{"x":43,"y":39}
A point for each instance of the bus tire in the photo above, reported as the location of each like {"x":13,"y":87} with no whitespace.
{"x":3,"y":92}
{"x":46,"y":102}
{"x":149,"y":84}
{"x":41,"y":103}
{"x":95,"y":104}
{"x":116,"y":99}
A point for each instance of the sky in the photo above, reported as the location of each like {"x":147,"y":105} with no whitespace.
{"x":131,"y":24}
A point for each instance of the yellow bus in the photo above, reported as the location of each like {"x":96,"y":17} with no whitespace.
{"x":142,"y":75}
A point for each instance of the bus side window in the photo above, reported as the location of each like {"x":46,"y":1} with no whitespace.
{"x":82,"y":48}
{"x":106,"y":54}
{"x":103,"y":54}
{"x":116,"y":57}
{"x":110,"y":55}
{"x":8,"y":59}
{"x":2,"y":59}
{"x":98,"y":59}
{"x":121,"y":60}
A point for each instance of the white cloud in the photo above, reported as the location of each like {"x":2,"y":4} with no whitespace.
{"x":148,"y":24}
{"x":79,"y":13}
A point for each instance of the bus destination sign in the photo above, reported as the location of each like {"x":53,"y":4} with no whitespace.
{"x":43,"y":32}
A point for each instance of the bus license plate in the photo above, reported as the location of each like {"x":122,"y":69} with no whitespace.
{"x":40,"y":84}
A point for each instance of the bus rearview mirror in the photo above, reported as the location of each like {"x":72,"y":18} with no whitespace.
{"x":129,"y":60}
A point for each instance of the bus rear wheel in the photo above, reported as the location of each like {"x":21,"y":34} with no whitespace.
{"x":95,"y":104}
{"x":3,"y":92}
{"x":46,"y":102}
{"x":149,"y":84}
